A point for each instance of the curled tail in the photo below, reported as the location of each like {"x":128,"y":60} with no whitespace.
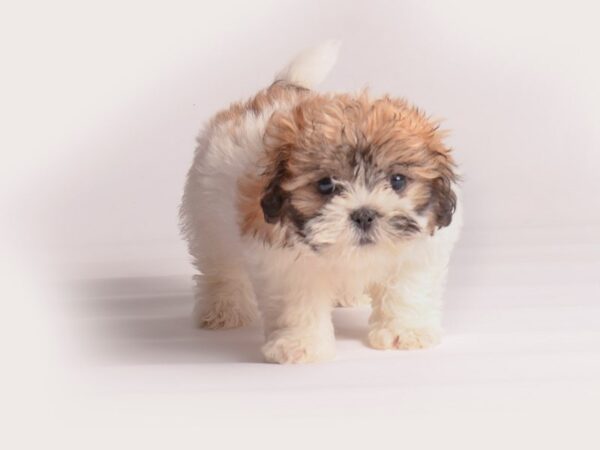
{"x":311,"y":66}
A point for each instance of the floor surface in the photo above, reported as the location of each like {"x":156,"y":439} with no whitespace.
{"x":519,"y":365}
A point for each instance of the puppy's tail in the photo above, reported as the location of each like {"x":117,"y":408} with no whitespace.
{"x":311,"y":66}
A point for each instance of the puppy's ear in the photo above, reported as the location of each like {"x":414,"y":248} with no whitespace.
{"x":279,"y":140}
{"x":443,"y":200}
{"x":274,"y":198}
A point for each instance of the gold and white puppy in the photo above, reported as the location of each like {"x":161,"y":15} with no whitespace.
{"x":297,"y":201}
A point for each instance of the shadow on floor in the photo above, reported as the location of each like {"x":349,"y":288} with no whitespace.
{"x":148,"y":321}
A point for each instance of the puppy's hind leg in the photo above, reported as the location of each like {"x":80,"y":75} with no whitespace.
{"x":224,"y":299}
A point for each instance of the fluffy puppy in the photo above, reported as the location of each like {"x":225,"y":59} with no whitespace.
{"x":297,"y":201}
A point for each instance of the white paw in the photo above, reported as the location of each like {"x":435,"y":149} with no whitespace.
{"x":404,"y":338}
{"x":223,"y":315}
{"x":292,"y":349}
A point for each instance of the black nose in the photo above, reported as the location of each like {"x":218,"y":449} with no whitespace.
{"x":363,"y":218}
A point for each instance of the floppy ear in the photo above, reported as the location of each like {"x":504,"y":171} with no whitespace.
{"x":274,"y":197}
{"x":280,"y":137}
{"x":444,"y":200}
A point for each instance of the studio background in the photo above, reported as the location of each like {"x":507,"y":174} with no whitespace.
{"x":102,"y":102}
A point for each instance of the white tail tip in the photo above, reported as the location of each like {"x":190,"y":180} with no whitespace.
{"x":311,"y":66}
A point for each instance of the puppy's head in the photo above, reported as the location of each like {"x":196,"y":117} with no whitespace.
{"x":353,"y":173}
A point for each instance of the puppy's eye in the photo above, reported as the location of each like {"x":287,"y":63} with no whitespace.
{"x":397,"y":181}
{"x":326,"y":186}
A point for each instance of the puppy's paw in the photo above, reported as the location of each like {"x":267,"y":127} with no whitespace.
{"x":215,"y":318}
{"x":223,"y":315}
{"x":290,"y":349}
{"x":404,"y":338}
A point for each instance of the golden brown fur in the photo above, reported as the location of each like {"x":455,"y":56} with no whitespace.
{"x":297,"y":201}
{"x":327,"y":135}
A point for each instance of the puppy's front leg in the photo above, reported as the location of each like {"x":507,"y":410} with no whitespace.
{"x":298,"y":326}
{"x":407,"y":312}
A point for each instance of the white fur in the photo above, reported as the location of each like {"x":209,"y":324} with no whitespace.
{"x":311,"y":66}
{"x":296,"y":288}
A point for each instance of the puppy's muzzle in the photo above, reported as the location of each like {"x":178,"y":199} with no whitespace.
{"x":363,"y":218}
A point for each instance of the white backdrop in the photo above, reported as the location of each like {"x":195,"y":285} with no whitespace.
{"x":105,"y":101}
{"x":100,"y":104}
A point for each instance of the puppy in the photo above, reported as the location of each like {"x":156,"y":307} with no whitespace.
{"x":297,"y":201}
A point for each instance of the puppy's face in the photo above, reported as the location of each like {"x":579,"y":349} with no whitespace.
{"x":350,"y":173}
